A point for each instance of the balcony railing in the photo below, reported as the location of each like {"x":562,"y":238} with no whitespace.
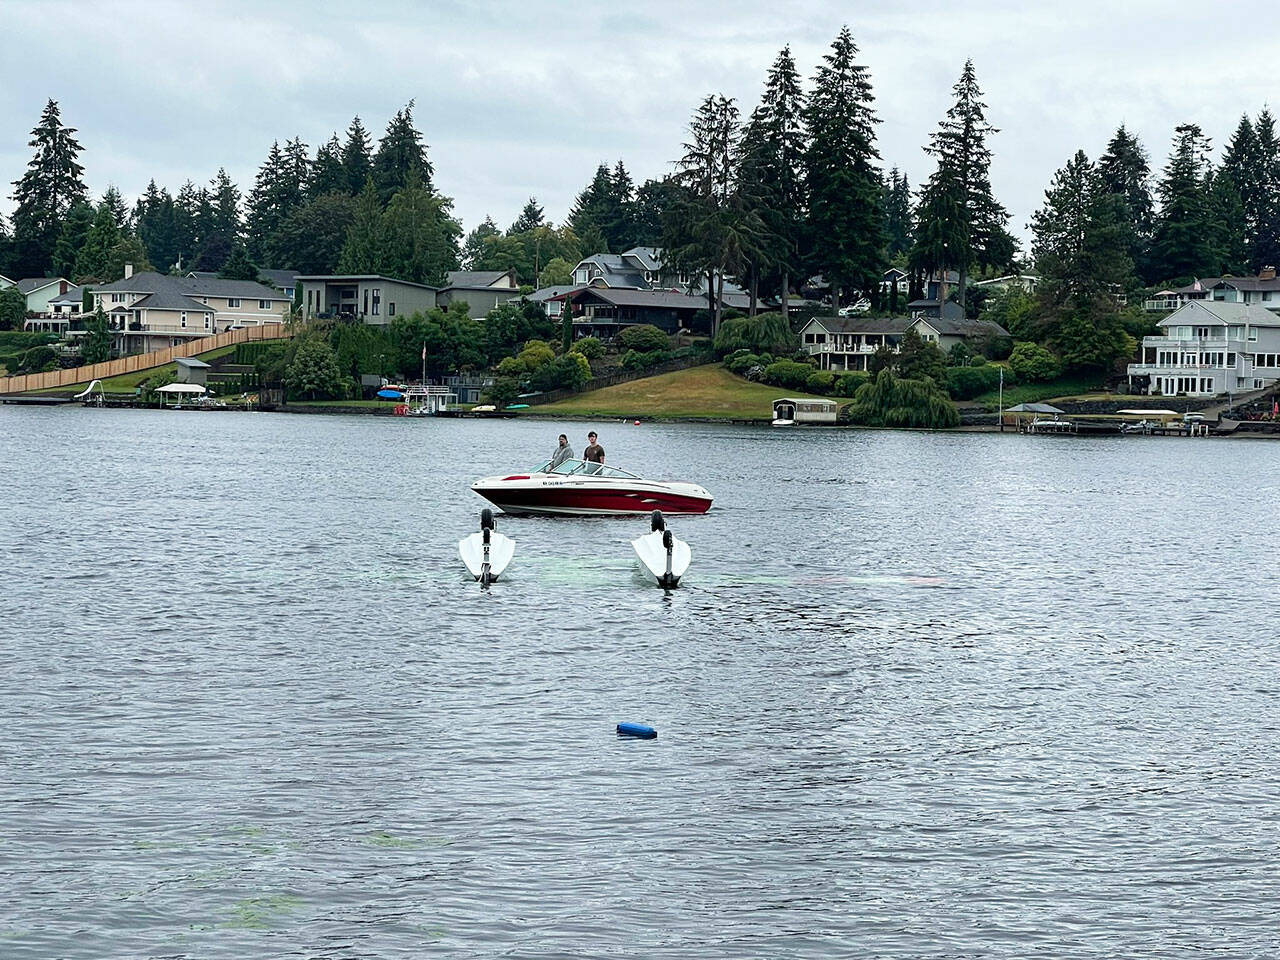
{"x":1161,"y":304}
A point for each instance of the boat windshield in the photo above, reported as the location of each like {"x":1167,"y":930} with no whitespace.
{"x":585,"y":468}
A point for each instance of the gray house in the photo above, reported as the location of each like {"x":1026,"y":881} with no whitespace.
{"x":480,"y":290}
{"x":368,"y":297}
{"x":1209,"y":347}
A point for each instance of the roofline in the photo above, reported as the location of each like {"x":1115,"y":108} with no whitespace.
{"x":327,"y":277}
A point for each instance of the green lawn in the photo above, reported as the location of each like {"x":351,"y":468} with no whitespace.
{"x":708,"y":391}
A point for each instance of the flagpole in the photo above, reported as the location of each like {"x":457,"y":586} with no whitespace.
{"x":424,"y":363}
{"x":1001,"y":400}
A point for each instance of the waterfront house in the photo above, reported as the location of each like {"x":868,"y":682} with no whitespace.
{"x":480,"y":290}
{"x":602,"y":312}
{"x":369,"y":298}
{"x":935,"y":309}
{"x":551,"y":299}
{"x":151,"y":311}
{"x":40,"y":290}
{"x":639,"y":268}
{"x":1264,"y":290}
{"x":1208,"y":347}
{"x":69,"y":304}
{"x":847,"y":343}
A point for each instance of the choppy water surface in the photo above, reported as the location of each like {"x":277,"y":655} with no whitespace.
{"x":920,"y":696}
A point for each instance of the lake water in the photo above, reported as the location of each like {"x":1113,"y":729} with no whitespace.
{"x":920,"y":696}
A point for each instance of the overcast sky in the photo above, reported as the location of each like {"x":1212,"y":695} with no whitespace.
{"x":526,"y":98}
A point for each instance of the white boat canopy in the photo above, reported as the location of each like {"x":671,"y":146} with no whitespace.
{"x":181,"y":388}
{"x":1033,"y":408}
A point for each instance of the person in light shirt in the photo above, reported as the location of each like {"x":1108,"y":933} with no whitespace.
{"x":563,"y":452}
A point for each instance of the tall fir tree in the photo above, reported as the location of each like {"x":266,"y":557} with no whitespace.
{"x":591,"y":209}
{"x":1265,"y":250}
{"x":327,"y":172}
{"x":1126,"y":175}
{"x":186,"y":227}
{"x":843,"y":182}
{"x":401,"y":154}
{"x":1183,"y":244}
{"x":530,"y":218}
{"x":773,"y":148}
{"x":95,"y":254}
{"x":420,"y":237}
{"x":1079,"y":246}
{"x":362,"y":251}
{"x":154,"y":219}
{"x":654,"y":202}
{"x":619,"y":224}
{"x":473,"y":249}
{"x":897,"y":214}
{"x":357,"y":157}
{"x":959,"y":191}
{"x":72,"y":235}
{"x":52,"y":184}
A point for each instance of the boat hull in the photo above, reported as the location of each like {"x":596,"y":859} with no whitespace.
{"x":529,"y":496}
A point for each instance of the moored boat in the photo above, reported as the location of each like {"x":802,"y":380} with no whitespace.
{"x":583,"y":488}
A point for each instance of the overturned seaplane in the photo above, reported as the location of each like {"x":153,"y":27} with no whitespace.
{"x":488,"y":552}
{"x":662,"y":556}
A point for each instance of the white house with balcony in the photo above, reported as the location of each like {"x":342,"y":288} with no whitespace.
{"x":847,"y":343}
{"x":1264,"y":290}
{"x":1210,"y":347}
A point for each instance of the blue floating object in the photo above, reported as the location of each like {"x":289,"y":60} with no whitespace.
{"x":637,"y":730}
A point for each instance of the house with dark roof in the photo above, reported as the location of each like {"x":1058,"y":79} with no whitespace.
{"x":847,"y":343}
{"x":480,"y":290}
{"x":551,"y":298}
{"x":946,"y":332}
{"x":368,"y":297}
{"x":283,"y":280}
{"x":152,"y":311}
{"x":603,"y":311}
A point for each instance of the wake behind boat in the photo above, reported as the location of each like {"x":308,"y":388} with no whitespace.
{"x":583,"y":488}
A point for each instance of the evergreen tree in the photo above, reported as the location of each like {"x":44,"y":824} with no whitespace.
{"x":401,"y":154}
{"x":960,"y":188}
{"x":713,"y":232}
{"x":473,"y":249}
{"x":52,"y":184}
{"x":312,"y":236}
{"x":1266,"y":213}
{"x":592,"y":209}
{"x":238,"y":265}
{"x":186,"y":226}
{"x":1230,"y":238}
{"x":897,"y":214}
{"x":1182,"y":247}
{"x":95,"y":252}
{"x":1126,"y":174}
{"x":115,"y":204}
{"x":96,"y":345}
{"x":619,"y":224}
{"x":420,"y":238}
{"x":773,"y":150}
{"x":654,"y":201}
{"x":327,"y":173}
{"x":128,"y":249}
{"x":156,"y":219}
{"x":269,"y":201}
{"x":357,"y":157}
{"x":1080,"y":252}
{"x":843,"y":182}
{"x":71,"y":238}
{"x":530,"y":218}
{"x":362,"y":251}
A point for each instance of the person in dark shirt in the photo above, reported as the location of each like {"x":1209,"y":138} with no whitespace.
{"x":594,"y":452}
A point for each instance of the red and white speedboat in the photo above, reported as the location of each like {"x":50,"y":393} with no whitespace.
{"x":580,"y":488}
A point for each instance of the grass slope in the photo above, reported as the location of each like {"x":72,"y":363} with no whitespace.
{"x":708,"y":391}
{"x":1068,"y":386}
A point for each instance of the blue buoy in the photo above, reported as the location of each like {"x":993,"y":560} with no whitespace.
{"x":637,"y":730}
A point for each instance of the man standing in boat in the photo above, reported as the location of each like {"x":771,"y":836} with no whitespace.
{"x":594,"y":452}
{"x":563,"y":452}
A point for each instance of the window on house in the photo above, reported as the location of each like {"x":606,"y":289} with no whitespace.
{"x":183,"y":318}
{"x":233,"y":302}
{"x":1202,"y":333}
{"x":366,"y":302}
{"x":1231,"y":359}
{"x":264,"y":304}
{"x":377,"y":300}
{"x":206,"y":321}
{"x":391,"y":308}
{"x":1253,"y":335}
{"x":309,"y":293}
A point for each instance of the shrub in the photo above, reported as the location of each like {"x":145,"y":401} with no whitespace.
{"x":589,"y":347}
{"x":644,"y":338}
{"x":763,"y":333}
{"x":788,"y":373}
{"x":743,"y":360}
{"x":535,"y":354}
{"x":847,"y":384}
{"x":567,"y":372}
{"x":965,"y":383}
{"x":503,"y":391}
{"x":512,"y":368}
{"x":1034,"y":364}
{"x":821,"y":381}
{"x":978,"y":361}
{"x":636,"y":360}
{"x":37,"y":360}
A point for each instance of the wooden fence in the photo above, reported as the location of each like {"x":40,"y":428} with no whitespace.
{"x":624,"y":376}
{"x":140,"y":361}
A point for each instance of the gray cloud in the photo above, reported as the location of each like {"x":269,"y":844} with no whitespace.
{"x":526,"y":98}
